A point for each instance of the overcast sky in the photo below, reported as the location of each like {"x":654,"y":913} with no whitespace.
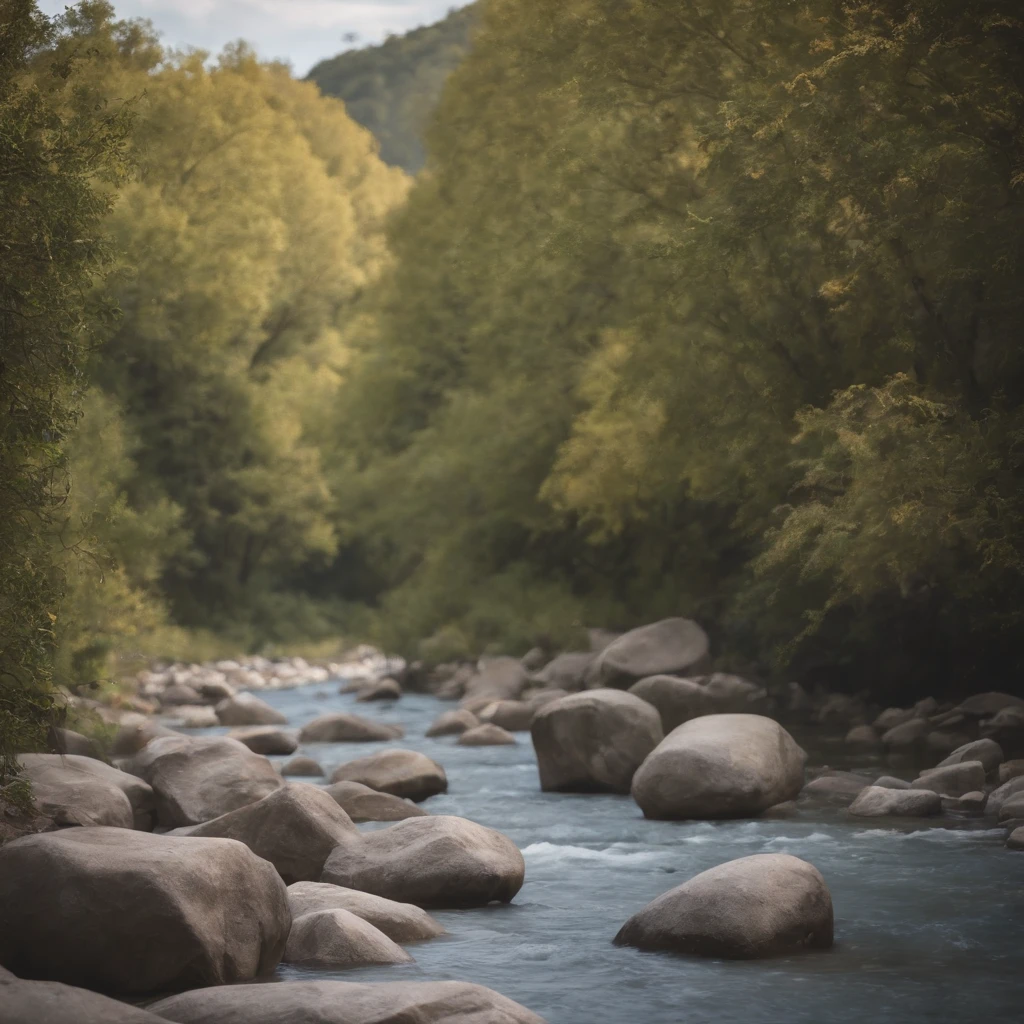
{"x":299,"y":31}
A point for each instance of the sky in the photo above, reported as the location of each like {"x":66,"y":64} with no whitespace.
{"x":299,"y":31}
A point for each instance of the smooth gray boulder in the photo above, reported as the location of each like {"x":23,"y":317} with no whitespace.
{"x":720,"y":766}
{"x":453,"y":723}
{"x":400,"y":922}
{"x":383,"y":689}
{"x":907,"y":734}
{"x":835,"y":787}
{"x":304,"y":767}
{"x":593,"y":742}
{"x":49,"y":1002}
{"x":891,"y":782}
{"x":668,"y":647}
{"x":770,"y":904}
{"x":404,"y":773}
{"x":245,"y":709}
{"x":566,"y":671}
{"x":196,"y":779}
{"x":129,"y":912}
{"x":863,"y":736}
{"x":294,"y":828}
{"x":266,"y":739}
{"x":342,"y":1002}
{"x":1010,"y":770}
{"x":952,"y":779}
{"x":344,"y":728}
{"x":487,"y":735}
{"x":361,"y":803}
{"x":1015,"y":840}
{"x":337,"y":938}
{"x":179,"y":693}
{"x":512,"y":715}
{"x":435,"y":862}
{"x":1003,"y":793}
{"x":878,"y":802}
{"x":677,"y":700}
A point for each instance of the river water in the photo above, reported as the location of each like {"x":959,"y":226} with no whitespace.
{"x":929,"y":921}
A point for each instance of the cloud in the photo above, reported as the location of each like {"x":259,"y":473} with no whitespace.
{"x":299,"y":31}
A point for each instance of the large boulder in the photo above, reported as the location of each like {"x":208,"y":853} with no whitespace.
{"x":266,"y":739}
{"x":1015,"y":840}
{"x":1009,"y":789}
{"x":361,"y":803}
{"x":880,"y":802}
{"x":133,"y":736}
{"x":294,"y":828}
{"x":345,"y":1002}
{"x":511,"y":715}
{"x":677,"y":700}
{"x":67,"y":741}
{"x":669,"y":647}
{"x":498,"y":678}
{"x":566,"y":671}
{"x":196,"y":779}
{"x":453,"y":723}
{"x":405,"y":773}
{"x":952,"y":779}
{"x":337,"y":938}
{"x":130,"y":912}
{"x":770,"y":904}
{"x":437,"y":861}
{"x":401,"y":922}
{"x":49,"y":1002}
{"x":593,"y":742}
{"x":77,"y":790}
{"x":245,"y":709}
{"x":487,"y":735}
{"x":720,"y":766}
{"x":342,"y":728}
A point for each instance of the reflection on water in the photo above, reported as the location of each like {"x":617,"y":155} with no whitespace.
{"x":929,"y":922}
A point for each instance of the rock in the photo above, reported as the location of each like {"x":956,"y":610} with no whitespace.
{"x":909,"y":734}
{"x":668,"y":647}
{"x":385,"y":689}
{"x":787,"y":809}
{"x":566,"y":671}
{"x":973,"y":802}
{"x":67,"y":741}
{"x":770,"y":904}
{"x":720,"y":766}
{"x":337,"y":938}
{"x":863,"y":736}
{"x":729,"y":693}
{"x":1010,"y":770}
{"x":511,"y":715}
{"x":342,"y":728}
{"x":266,"y":739}
{"x":925,"y":708}
{"x":437,"y":861}
{"x":344,"y":1002}
{"x":361,"y":803}
{"x":245,"y":709}
{"x":999,"y":796}
{"x":148,"y":913}
{"x":835,"y":787}
{"x":49,"y":1002}
{"x":798,"y":701}
{"x":294,"y":828}
{"x":891,"y":782}
{"x":1011,"y":808}
{"x":302,"y":766}
{"x":452,"y":723}
{"x":196,"y":779}
{"x":216,"y":690}
{"x":876,"y":802}
{"x":196,"y":716}
{"x":953,"y":779}
{"x":982,"y":705}
{"x":75,"y":790}
{"x":891,"y":717}
{"x":1006,"y":727}
{"x":538,"y":698}
{"x":1015,"y":840}
{"x":840,"y":710}
{"x":677,"y":700}
{"x":404,"y":773}
{"x":487,"y":736}
{"x":498,"y":678}
{"x":534,"y":659}
{"x":942,"y":742}
{"x":988,"y":752}
{"x":134,"y":736}
{"x":400,"y":922}
{"x":593,"y":742}
{"x":948,"y":719}
{"x":179,"y":693}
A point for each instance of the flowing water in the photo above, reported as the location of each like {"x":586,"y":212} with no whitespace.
{"x":929,"y":921}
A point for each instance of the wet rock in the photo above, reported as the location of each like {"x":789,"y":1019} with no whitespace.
{"x":988,"y":752}
{"x":385,"y":689}
{"x":863,"y":736}
{"x":511,"y":715}
{"x":337,"y":938}
{"x":49,"y":1002}
{"x":891,"y":782}
{"x":149,"y":913}
{"x":196,"y":779}
{"x":304,"y":767}
{"x":361,"y":803}
{"x":400,"y":922}
{"x":245,"y":709}
{"x":594,"y":742}
{"x":487,"y":735}
{"x":668,"y":647}
{"x":437,"y":861}
{"x":720,"y":766}
{"x":835,"y":787}
{"x":677,"y":700}
{"x":953,"y":779}
{"x":343,"y":728}
{"x":452,"y":723}
{"x":266,"y":739}
{"x":770,"y":904}
{"x":404,"y":773}
{"x":909,"y":734}
{"x":341,"y":1002}
{"x":294,"y":829}
{"x":877,"y":801}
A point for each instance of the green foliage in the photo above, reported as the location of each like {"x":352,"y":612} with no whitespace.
{"x":393,"y":89}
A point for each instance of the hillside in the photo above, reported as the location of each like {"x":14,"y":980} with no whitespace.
{"x":392,"y":89}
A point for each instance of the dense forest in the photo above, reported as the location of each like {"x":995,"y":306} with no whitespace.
{"x":705,"y":309}
{"x":394,"y":88}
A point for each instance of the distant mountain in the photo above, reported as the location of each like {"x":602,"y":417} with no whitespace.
{"x":392,"y":89}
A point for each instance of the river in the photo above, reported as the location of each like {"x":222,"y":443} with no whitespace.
{"x":929,"y":921}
